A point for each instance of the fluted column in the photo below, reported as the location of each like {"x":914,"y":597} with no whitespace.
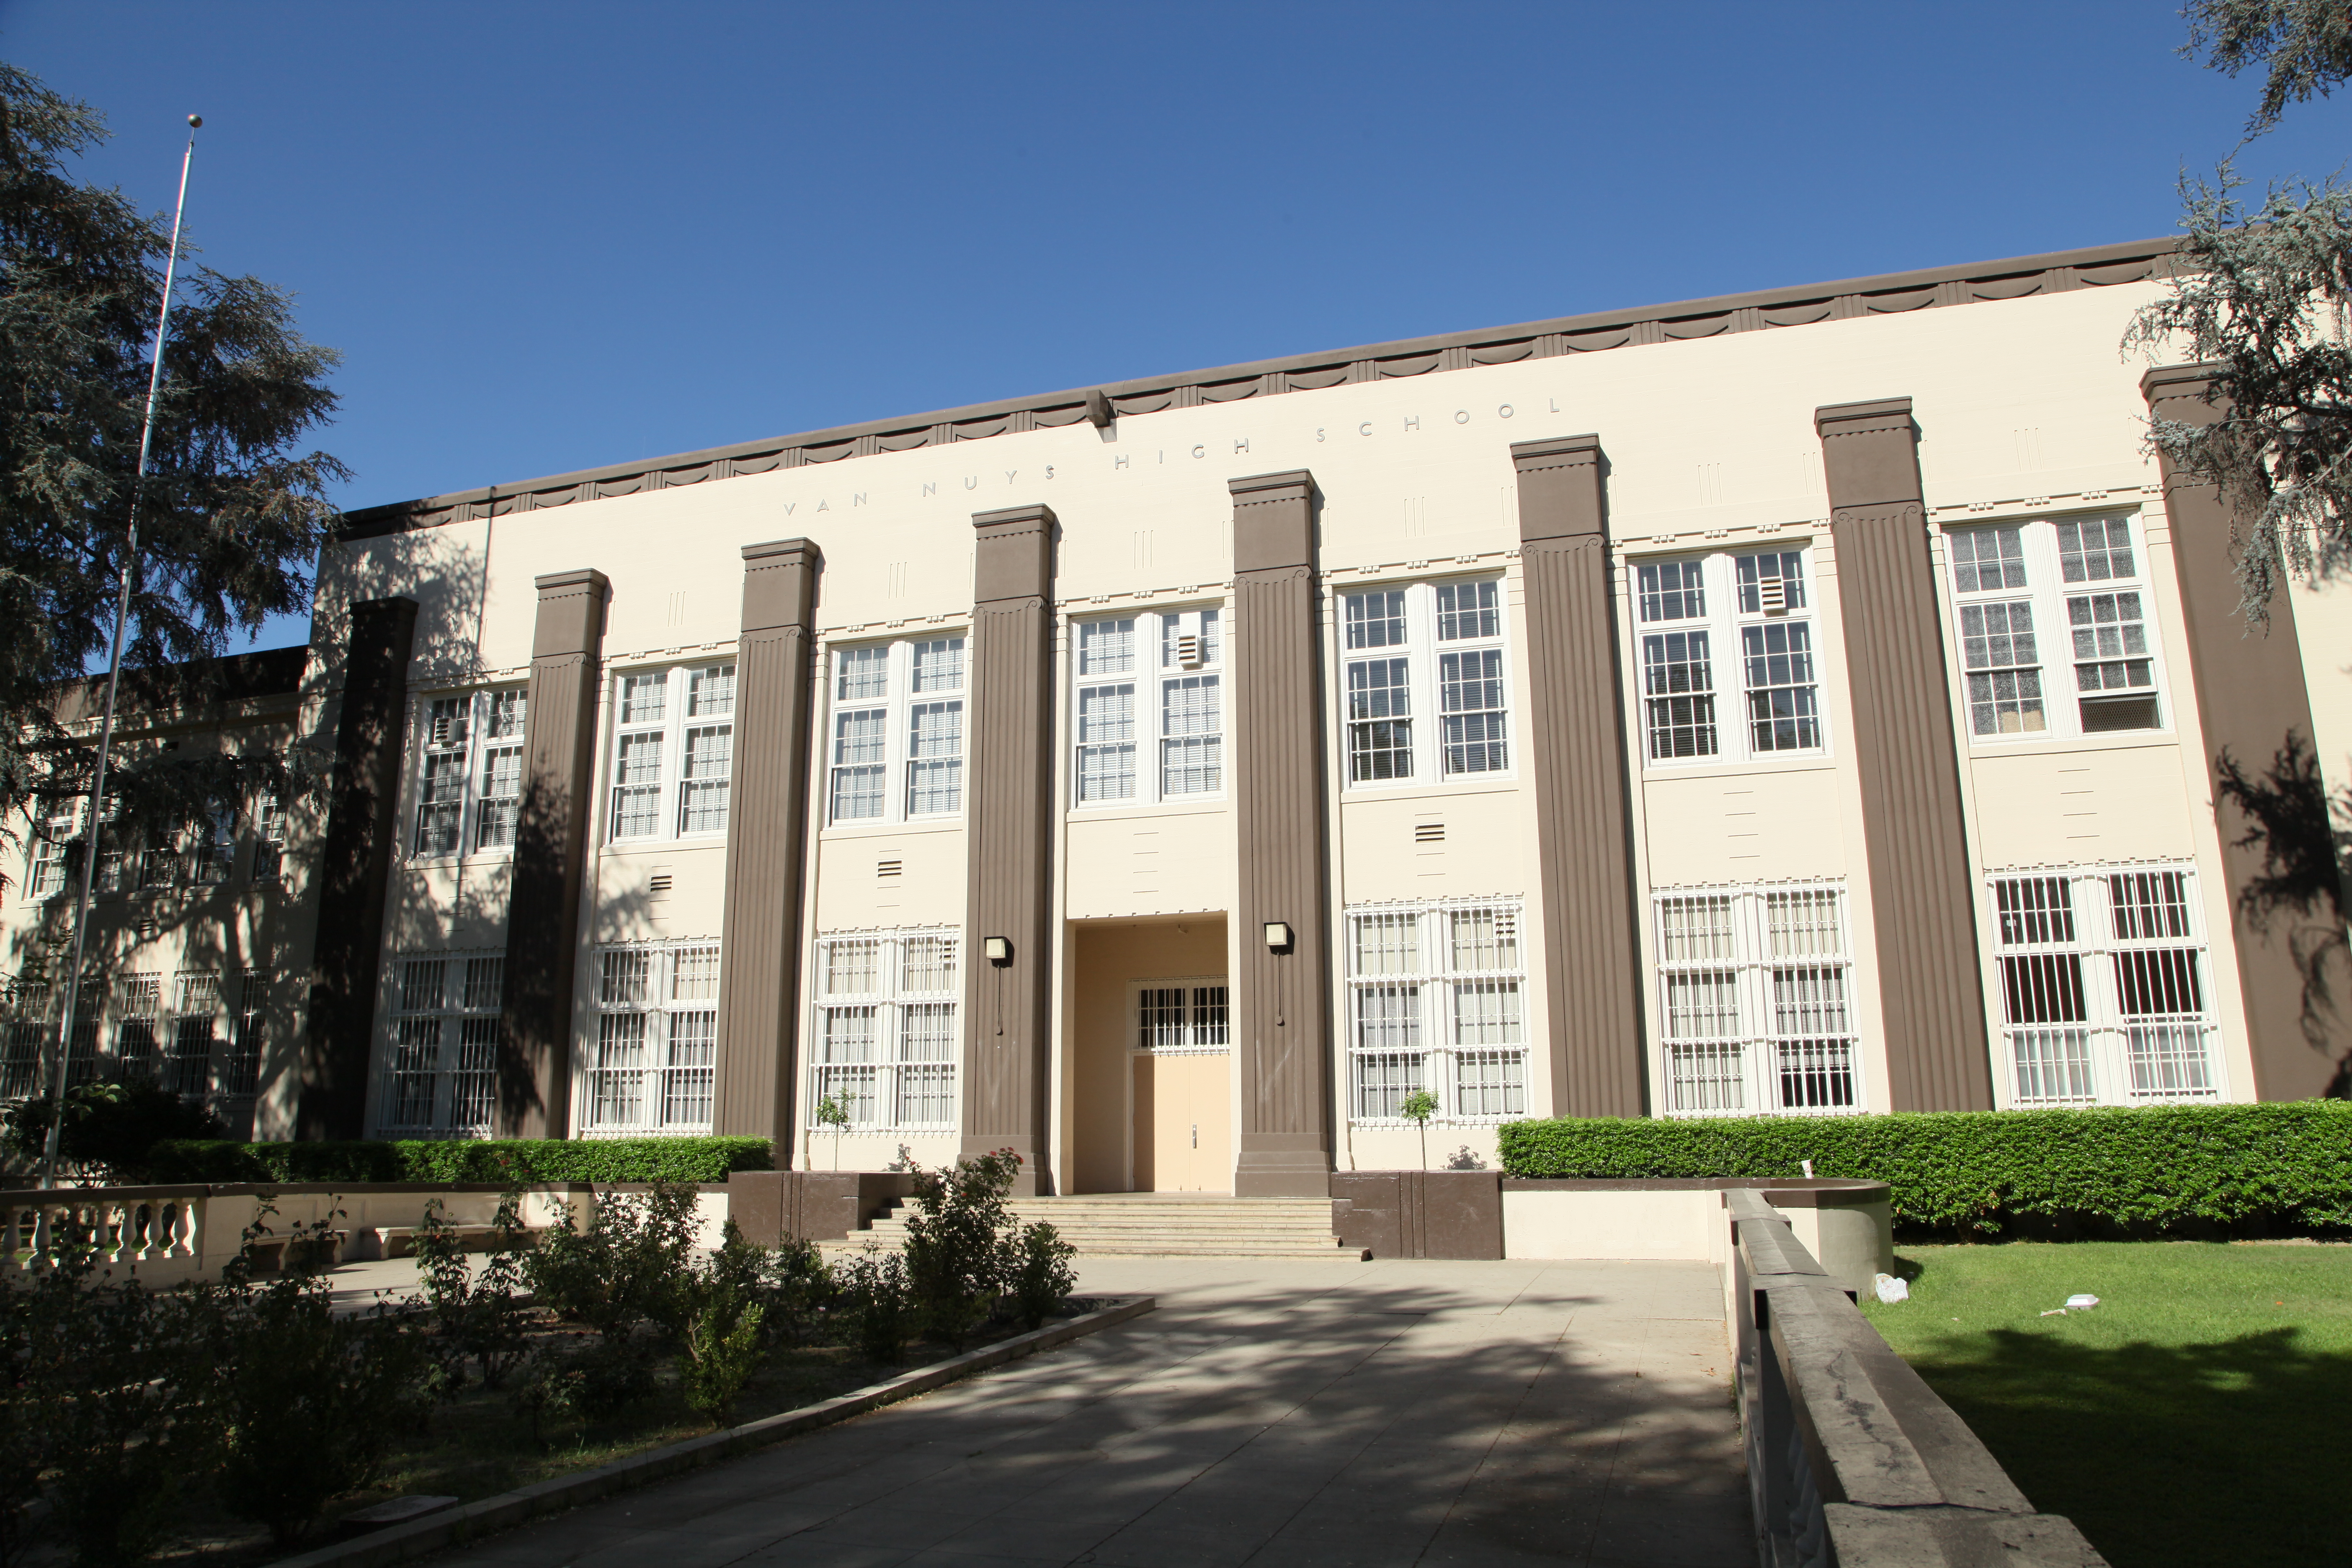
{"x":354,"y":871}
{"x":1574,"y":736}
{"x":1281,"y":1000}
{"x":1008,"y":824}
{"x":551,"y":858}
{"x":760,"y":943}
{"x":2252,"y":700}
{"x":1908,"y":757}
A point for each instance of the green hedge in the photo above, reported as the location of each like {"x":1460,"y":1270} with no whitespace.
{"x":2146,"y":1168}
{"x":461,"y":1160}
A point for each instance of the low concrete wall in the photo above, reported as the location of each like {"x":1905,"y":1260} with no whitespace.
{"x":1419,"y":1214}
{"x":1853,"y":1461}
{"x":1849,"y":1225}
{"x":813,"y":1206}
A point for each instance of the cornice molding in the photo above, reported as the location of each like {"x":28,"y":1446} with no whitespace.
{"x":1892,"y":293}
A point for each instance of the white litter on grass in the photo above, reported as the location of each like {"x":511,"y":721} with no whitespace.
{"x":2080,"y":1301}
{"x":1891,"y":1289}
{"x":2055,"y":1312}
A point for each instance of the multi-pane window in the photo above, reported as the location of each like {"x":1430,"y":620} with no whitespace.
{"x":51,"y":833}
{"x":654,"y":1058}
{"x":2102,"y":977}
{"x":895,"y":751}
{"x":1727,"y":657}
{"x":25,"y":1031}
{"x":468,"y":773}
{"x":1182,"y":1017}
{"x":139,"y":1026}
{"x":883,"y":1044}
{"x":673,"y":752}
{"x":1435,"y":1003}
{"x":1754,"y":1001}
{"x":1425,"y":686}
{"x":2055,"y":635}
{"x":193,"y":1031}
{"x":439,"y":1074}
{"x":269,"y":840}
{"x":239,"y":1076}
{"x":1149,"y":716}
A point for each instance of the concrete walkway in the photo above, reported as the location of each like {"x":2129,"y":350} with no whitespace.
{"x":1270,"y":1412}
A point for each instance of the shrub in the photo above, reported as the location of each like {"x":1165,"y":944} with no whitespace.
{"x":630,"y":1263}
{"x":794,"y":1286}
{"x":1042,"y":1279}
{"x":723,"y":1353}
{"x":310,"y":1401}
{"x":109,"y":1128}
{"x":477,"y":1315}
{"x":881,"y":1303}
{"x":958,"y":1249}
{"x":515,"y":1161}
{"x":2146,"y":1168}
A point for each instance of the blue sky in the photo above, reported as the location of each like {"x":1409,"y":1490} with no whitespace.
{"x":549,"y":236}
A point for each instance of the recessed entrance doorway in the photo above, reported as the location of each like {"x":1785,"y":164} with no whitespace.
{"x":1150,"y":1065}
{"x":1182,"y":1058}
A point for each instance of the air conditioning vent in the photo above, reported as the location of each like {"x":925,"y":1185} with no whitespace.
{"x":146,"y":930}
{"x":889,"y":867}
{"x":658,"y":885}
{"x":1774,"y":592}
{"x":1429,"y":833}
{"x":1187,"y":650}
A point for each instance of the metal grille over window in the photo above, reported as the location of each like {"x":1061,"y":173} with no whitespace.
{"x":897,"y":735}
{"x":194,"y":1030}
{"x":884,"y":1044}
{"x":655,"y":1056}
{"x":240,"y":1067}
{"x":440,"y":1071}
{"x":1182,"y":1017}
{"x":1429,"y":648}
{"x":2034,"y":567}
{"x":1435,"y":1004}
{"x":2100,"y":975}
{"x":25,"y":1030}
{"x":1754,"y":987}
{"x":470,"y":776}
{"x":1146,"y":731}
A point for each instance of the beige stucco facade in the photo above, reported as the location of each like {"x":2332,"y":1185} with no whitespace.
{"x":2026,"y":415}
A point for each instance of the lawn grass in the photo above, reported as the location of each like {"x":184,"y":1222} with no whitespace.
{"x":2201,"y":1415}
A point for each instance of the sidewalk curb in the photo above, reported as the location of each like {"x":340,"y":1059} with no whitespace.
{"x":458,"y":1525}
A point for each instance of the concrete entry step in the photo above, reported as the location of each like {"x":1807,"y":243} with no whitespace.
{"x":1157,"y":1225}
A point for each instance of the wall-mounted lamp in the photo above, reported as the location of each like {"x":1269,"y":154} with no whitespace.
{"x":1278,"y":936}
{"x":999,"y":949}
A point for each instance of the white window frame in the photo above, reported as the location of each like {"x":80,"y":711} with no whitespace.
{"x":1786,"y":1037}
{"x":454,"y":731}
{"x":925,"y":733}
{"x":1737,"y":603}
{"x":1364,"y":697}
{"x":2050,"y":598}
{"x":1478,"y":1082}
{"x":45,"y":862}
{"x":887,"y":1044}
{"x":437,"y":1061}
{"x":1175,"y":746}
{"x":1186,"y":1015}
{"x":697,"y":711}
{"x":2108,"y":1056}
{"x":649,"y":1064}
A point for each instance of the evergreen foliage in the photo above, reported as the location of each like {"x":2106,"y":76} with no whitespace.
{"x":234,"y":509}
{"x":2285,"y":1164}
{"x":523,"y":1161}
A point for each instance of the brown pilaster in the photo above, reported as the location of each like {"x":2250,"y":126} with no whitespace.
{"x":1904,"y":749}
{"x":1282,"y":1019}
{"x":551,"y":857}
{"x":354,"y":869}
{"x":1575,"y":739}
{"x":1008,"y":824}
{"x":2251,"y":700}
{"x":767,"y":827}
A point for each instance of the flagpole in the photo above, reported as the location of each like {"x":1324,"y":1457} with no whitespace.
{"x":61,"y":1060}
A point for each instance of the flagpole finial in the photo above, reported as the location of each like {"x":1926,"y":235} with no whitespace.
{"x":195,"y":121}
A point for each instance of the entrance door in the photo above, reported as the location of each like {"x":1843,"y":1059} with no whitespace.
{"x":1183,"y":1062}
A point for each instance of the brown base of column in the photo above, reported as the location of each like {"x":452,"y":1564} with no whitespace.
{"x":1034,"y":1180}
{"x":1283,"y":1165}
